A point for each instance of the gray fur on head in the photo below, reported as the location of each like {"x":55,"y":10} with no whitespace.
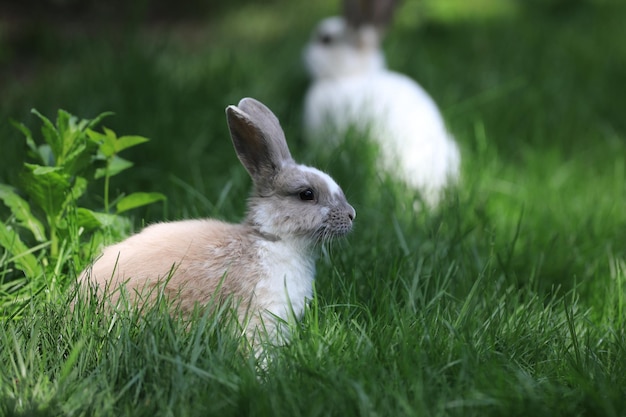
{"x":275,"y":207}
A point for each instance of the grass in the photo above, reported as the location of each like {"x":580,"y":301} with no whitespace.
{"x":509,"y":300}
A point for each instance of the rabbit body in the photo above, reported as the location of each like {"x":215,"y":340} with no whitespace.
{"x":353,"y":89}
{"x":266,"y":264}
{"x":203,"y":256}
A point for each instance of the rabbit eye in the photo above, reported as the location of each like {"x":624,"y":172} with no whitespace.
{"x":325,"y":39}
{"x":307,"y":195}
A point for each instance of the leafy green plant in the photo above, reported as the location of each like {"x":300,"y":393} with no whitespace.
{"x":47,"y":225}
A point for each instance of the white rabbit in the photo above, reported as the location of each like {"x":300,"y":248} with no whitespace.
{"x":352,"y":88}
{"x":266,"y":263}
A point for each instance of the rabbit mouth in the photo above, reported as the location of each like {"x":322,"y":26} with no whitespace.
{"x":326,"y":233}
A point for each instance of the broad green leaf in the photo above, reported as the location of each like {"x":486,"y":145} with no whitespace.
{"x":82,"y":124}
{"x":100,"y":173}
{"x":22,"y":257}
{"x":30,"y":142}
{"x":39,"y":170}
{"x":116,"y":166}
{"x":21,"y":210}
{"x":50,"y":134}
{"x":95,"y":136}
{"x":47,"y":189}
{"x":96,"y":120}
{"x":71,"y":140}
{"x":80,"y":157}
{"x":107,"y":219}
{"x":87,"y":219}
{"x":111,"y":140}
{"x":113,"y":228}
{"x":61,"y":225}
{"x":63,"y":123}
{"x":92,"y":220}
{"x":138,"y":200}
{"x":44,"y":152}
{"x":106,"y":142}
{"x":77,"y":190}
{"x":125,"y":142}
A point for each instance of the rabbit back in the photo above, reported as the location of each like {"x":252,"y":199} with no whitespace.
{"x":194,"y":257}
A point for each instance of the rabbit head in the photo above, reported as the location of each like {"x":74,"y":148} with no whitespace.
{"x":289,"y":201}
{"x":350,"y":44}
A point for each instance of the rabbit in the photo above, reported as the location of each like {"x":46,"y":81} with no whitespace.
{"x":352,"y":88}
{"x":266,"y":263}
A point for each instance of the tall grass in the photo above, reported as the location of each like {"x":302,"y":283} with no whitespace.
{"x":508,"y":300}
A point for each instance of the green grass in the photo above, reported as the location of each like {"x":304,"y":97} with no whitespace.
{"x":509,"y":300}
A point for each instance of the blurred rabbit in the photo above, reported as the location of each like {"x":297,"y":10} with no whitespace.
{"x":266,"y":263}
{"x":352,"y":88}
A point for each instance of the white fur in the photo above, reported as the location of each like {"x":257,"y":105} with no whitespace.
{"x":333,"y":187}
{"x":342,"y":59}
{"x":288,"y":283}
{"x":352,"y":88}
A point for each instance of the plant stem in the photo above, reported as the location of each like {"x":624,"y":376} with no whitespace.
{"x":54,"y":240}
{"x":106,"y":190}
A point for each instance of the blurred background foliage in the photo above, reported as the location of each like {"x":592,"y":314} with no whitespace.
{"x":532,"y":89}
{"x":471,"y":55}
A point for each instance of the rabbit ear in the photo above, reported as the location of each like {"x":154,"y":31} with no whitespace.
{"x":258,"y":138}
{"x":374,"y":12}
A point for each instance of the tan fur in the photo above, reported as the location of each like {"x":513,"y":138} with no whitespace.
{"x":200,"y":253}
{"x":196,"y":257}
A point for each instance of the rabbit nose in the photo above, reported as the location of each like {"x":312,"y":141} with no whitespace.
{"x":351,"y":212}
